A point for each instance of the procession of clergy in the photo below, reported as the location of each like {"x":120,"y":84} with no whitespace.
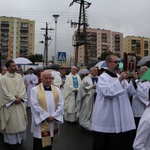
{"x":108,"y":104}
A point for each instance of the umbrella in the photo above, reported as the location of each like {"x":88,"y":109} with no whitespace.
{"x":53,"y":72}
{"x":22,"y":61}
{"x":146,"y":76}
{"x":101,"y":64}
{"x":83,"y":71}
{"x":53,"y":66}
{"x":92,"y":64}
{"x":121,"y":65}
{"x":144,"y":60}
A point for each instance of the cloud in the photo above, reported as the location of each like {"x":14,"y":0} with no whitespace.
{"x":130,"y":17}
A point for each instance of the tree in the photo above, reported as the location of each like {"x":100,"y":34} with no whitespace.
{"x":105,"y":54}
{"x":36,"y":58}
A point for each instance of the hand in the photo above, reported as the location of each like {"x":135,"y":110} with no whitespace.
{"x":50,"y":118}
{"x":135,"y":75}
{"x":31,"y":82}
{"x":76,"y":91}
{"x":94,"y":87}
{"x":18,"y":100}
{"x":62,"y":85}
{"x":123,"y":76}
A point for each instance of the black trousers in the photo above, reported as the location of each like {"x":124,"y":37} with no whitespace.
{"x":137,"y":120}
{"x":112,"y":141}
{"x":37,"y":145}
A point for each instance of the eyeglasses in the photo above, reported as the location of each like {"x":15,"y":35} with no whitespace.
{"x":114,"y":61}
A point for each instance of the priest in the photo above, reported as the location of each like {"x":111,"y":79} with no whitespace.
{"x":31,"y":81}
{"x":47,"y":112}
{"x":71,"y":87}
{"x":59,"y":80}
{"x":13,"y":107}
{"x":86,"y":97}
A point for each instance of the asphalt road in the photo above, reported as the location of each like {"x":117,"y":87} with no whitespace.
{"x":72,"y":137}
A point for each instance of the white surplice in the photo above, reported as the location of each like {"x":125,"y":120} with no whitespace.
{"x":142,"y":140}
{"x":141,"y":99}
{"x":59,"y":83}
{"x":69,"y":97}
{"x":112,"y":110}
{"x":85,"y":102}
{"x":39,"y":114}
{"x":30,"y":77}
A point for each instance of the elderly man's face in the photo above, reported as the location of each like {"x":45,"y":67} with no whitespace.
{"x":47,"y":79}
{"x":94,"y":72}
{"x":73,"y":70}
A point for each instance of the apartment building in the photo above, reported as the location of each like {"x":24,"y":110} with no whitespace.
{"x":17,"y":37}
{"x":99,"y":41}
{"x":138,"y":45}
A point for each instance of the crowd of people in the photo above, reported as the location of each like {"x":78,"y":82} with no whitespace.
{"x":112,"y":106}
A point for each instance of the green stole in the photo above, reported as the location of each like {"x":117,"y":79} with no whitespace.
{"x":45,"y":129}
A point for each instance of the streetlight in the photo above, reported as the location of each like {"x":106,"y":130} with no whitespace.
{"x":55,"y":19}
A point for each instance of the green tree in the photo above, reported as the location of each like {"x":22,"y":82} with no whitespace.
{"x":36,"y":58}
{"x":105,"y":54}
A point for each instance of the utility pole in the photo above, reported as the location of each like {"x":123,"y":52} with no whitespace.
{"x":46,"y":43}
{"x":81,"y":37}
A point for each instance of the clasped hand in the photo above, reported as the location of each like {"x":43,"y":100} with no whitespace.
{"x":18,"y":100}
{"x":123,"y":76}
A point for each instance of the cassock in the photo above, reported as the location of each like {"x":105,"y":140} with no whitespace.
{"x":39,"y":114}
{"x":141,"y":99}
{"x":112,"y":110}
{"x":59,"y":81}
{"x":13,"y":116}
{"x":72,"y":83}
{"x":142,"y":140}
{"x":30,"y":77}
{"x":85,"y":101}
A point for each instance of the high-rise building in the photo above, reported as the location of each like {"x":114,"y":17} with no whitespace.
{"x":99,"y":41}
{"x":16,"y":37}
{"x":138,"y":45}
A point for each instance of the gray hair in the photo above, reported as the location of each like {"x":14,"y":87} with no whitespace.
{"x":143,"y":68}
{"x":93,"y":68}
{"x":44,"y":72}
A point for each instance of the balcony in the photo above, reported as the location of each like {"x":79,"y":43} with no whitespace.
{"x":23,"y":44}
{"x":24,"y":29}
{"x":24,"y":25}
{"x":23,"y":50}
{"x":4,"y":28}
{"x":23,"y":35}
{"x":117,"y":40}
{"x":104,"y":43}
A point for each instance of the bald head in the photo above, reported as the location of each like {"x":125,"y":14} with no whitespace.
{"x":45,"y":73}
{"x":74,"y":70}
{"x":143,"y":69}
{"x":46,"y":78}
{"x":94,"y":71}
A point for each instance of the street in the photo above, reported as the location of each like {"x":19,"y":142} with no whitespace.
{"x":72,"y":137}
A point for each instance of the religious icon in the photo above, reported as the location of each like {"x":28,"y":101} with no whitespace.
{"x":130,"y":64}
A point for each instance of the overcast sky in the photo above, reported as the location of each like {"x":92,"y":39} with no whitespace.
{"x":131,"y":17}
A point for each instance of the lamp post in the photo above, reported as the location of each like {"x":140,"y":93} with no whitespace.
{"x":55,"y":19}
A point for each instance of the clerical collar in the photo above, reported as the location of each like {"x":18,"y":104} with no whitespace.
{"x":63,"y":76}
{"x":47,"y":88}
{"x":111,"y":73}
